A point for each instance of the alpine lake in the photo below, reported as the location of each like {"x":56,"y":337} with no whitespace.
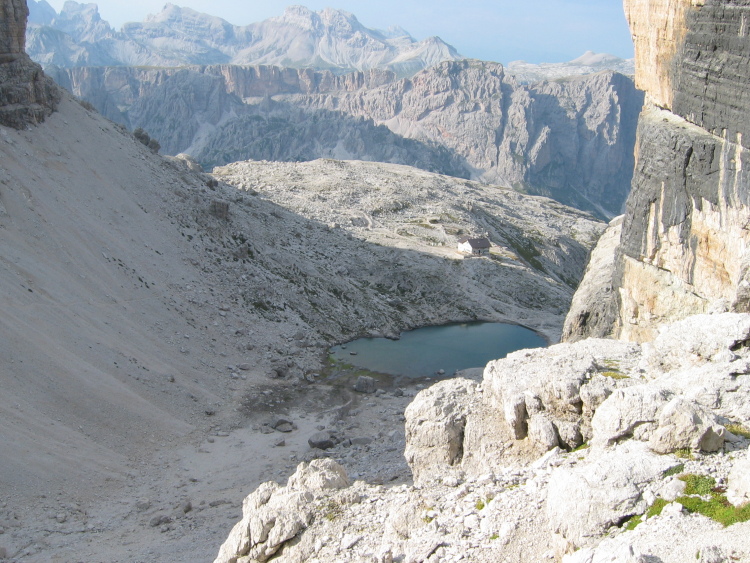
{"x":435,"y":351}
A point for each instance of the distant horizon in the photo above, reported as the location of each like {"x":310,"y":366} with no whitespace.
{"x":540,"y":31}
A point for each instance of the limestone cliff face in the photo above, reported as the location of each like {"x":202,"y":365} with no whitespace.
{"x":685,"y":237}
{"x":26,"y":95}
{"x":570,"y":139}
{"x":658,"y":28}
{"x":12,"y":29}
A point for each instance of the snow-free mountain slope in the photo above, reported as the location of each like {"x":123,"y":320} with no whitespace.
{"x":570,"y":139}
{"x":176,"y":36}
{"x":588,"y":63}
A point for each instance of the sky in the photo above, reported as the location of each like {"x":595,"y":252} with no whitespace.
{"x":496,"y":30}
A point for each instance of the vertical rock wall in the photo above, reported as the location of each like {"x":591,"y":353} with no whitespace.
{"x":12,"y":29}
{"x":685,"y":240}
{"x":26,"y":95}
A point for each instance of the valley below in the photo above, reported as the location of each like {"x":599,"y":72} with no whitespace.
{"x":166,"y":333}
{"x":158,"y":323}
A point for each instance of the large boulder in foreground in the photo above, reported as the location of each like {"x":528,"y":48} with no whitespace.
{"x":273,"y":515}
{"x":435,"y":424}
{"x":584,"y":501}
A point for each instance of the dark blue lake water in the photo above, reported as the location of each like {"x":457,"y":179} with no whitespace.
{"x":424,"y":351}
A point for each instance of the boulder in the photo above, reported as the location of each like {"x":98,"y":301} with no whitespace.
{"x":585,"y":500}
{"x":543,"y":433}
{"x":435,"y":423}
{"x":561,"y":381}
{"x":630,"y":412}
{"x":319,"y":475}
{"x":697,"y":340}
{"x":683,"y":424}
{"x":273,"y":515}
{"x":738,"y":489}
{"x":321,"y":441}
{"x":365,"y":384}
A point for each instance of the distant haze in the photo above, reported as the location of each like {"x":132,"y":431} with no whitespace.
{"x":494,"y":30}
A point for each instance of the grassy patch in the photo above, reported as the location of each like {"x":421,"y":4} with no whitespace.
{"x":698,"y":484}
{"x":738,"y":430}
{"x":684,"y":453}
{"x":613,"y":370}
{"x":702,"y":496}
{"x":479,"y":504}
{"x":633,"y":522}
{"x":717,"y":508}
{"x":676,"y":470}
{"x":711,"y":501}
{"x":656,"y":508}
{"x":615,"y":374}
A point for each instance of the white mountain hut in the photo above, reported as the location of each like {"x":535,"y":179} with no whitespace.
{"x":474,"y":246}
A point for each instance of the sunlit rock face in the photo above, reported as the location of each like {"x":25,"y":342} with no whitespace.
{"x":684,"y":243}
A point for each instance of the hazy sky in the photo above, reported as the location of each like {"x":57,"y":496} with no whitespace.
{"x":497,"y":30}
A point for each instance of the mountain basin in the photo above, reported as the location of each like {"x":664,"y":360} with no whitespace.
{"x":438,"y":350}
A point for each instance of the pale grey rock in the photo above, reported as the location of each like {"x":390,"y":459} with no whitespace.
{"x":543,"y":432}
{"x":406,"y":520}
{"x":674,"y":538}
{"x":584,"y":501}
{"x":435,"y":423}
{"x":682,"y":424}
{"x":273,"y":515}
{"x":738,"y":488}
{"x":319,"y":475}
{"x":593,"y":310}
{"x":562,"y":381}
{"x":628,"y":413}
{"x":697,"y":340}
{"x":516,"y":415}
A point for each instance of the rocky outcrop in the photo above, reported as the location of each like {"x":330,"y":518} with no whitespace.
{"x":273,"y":515}
{"x":571,"y":139}
{"x":12,"y":30}
{"x":604,"y":488}
{"x":485,"y":492}
{"x":683,"y":248}
{"x":26,"y":95}
{"x":594,"y":306}
{"x":675,"y":393}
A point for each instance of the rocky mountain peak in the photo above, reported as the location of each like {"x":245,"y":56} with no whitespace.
{"x":82,"y":21}
{"x":41,"y":12}
{"x":300,"y":38}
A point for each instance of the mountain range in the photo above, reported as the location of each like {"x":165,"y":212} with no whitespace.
{"x":310,"y":85}
{"x":300,"y":38}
